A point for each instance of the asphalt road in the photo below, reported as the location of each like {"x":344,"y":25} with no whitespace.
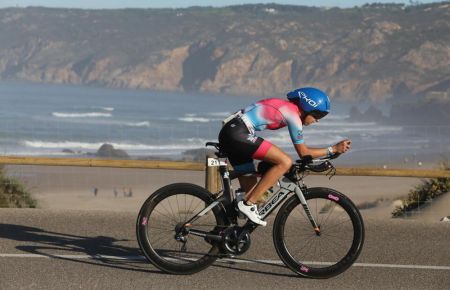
{"x":47,"y":249}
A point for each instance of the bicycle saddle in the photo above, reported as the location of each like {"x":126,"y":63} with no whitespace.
{"x":216,"y":145}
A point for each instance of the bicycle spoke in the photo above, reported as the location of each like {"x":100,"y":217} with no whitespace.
{"x":329,"y":212}
{"x":166,"y":216}
{"x":172,"y":217}
{"x":334,"y":226}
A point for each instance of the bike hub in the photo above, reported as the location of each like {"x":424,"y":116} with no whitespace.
{"x":181,"y":231}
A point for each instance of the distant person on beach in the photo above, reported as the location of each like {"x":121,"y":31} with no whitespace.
{"x":304,"y":106}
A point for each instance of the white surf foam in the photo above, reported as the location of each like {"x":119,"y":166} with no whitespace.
{"x":194,"y":119}
{"x":81,"y":115}
{"x":137,"y":124}
{"x":182,"y":145}
{"x":109,"y":109}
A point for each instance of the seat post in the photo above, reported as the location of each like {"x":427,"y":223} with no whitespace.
{"x":227,"y":187}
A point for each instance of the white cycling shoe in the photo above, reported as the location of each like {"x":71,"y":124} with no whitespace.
{"x":251,"y":211}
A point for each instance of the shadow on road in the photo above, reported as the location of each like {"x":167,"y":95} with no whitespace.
{"x":61,"y":245}
{"x":45,"y":243}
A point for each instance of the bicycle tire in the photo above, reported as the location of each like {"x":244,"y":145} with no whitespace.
{"x":319,"y":267}
{"x":149,"y":217}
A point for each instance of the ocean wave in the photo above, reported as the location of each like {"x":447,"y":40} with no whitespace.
{"x":103,"y":108}
{"x":82,"y":115}
{"x":191,"y":119}
{"x":137,"y":124}
{"x":219,"y":114}
{"x":109,"y":109}
{"x":337,"y":117}
{"x":118,"y":145}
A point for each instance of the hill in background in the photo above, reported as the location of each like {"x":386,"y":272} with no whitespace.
{"x":372,"y":52}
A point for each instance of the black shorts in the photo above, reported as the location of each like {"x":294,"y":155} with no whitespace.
{"x":241,"y":146}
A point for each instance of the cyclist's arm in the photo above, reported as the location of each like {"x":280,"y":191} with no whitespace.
{"x":296,"y":133}
{"x":295,"y":127}
{"x":303,"y":150}
{"x":341,"y":147}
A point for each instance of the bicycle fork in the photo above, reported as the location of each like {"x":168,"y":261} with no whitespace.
{"x":305,"y":206}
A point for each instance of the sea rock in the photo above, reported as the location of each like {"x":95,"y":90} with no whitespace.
{"x":445,"y":219}
{"x":108,"y":150}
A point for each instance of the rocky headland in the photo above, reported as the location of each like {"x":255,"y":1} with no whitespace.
{"x":373,"y":52}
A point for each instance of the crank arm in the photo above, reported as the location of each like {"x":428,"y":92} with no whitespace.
{"x":206,"y":235}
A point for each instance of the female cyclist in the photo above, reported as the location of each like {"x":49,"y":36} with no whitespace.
{"x":237,"y":138}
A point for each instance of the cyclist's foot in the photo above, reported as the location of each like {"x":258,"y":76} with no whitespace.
{"x":251,"y":211}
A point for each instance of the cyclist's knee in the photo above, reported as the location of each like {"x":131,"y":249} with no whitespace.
{"x":286,"y":163}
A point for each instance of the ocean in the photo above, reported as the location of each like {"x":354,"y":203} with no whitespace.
{"x":65,"y":120}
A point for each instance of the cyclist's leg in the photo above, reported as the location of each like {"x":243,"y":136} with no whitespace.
{"x":247,"y":182}
{"x":233,"y":139}
{"x":242,"y":147}
{"x":281,"y":161}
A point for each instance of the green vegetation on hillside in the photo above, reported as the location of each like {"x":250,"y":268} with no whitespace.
{"x":13,"y":194}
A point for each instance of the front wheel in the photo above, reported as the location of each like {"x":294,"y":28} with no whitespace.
{"x":325,"y":254}
{"x":165,"y":238}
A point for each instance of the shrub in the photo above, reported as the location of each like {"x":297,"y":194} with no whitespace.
{"x":13,"y":193}
{"x":428,"y":190}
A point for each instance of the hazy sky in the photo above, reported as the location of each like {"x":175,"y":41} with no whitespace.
{"x":180,"y":3}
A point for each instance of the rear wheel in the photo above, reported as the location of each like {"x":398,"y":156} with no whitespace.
{"x":161,"y":233}
{"x":341,"y":234}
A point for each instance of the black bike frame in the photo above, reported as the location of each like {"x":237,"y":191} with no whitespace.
{"x":280,"y":192}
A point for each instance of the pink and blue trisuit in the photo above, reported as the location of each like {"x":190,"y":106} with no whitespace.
{"x":237,"y":137}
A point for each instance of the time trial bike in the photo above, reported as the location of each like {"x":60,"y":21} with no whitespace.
{"x":318,"y":232}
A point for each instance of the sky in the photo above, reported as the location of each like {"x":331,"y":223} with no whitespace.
{"x":113,"y":4}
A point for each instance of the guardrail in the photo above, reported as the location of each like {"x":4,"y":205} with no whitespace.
{"x":212,"y":180}
{"x":197,"y":166}
{"x":88,"y":162}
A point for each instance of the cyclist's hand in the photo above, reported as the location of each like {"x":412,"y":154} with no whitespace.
{"x":343,"y":146}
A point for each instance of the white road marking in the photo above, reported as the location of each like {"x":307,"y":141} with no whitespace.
{"x":226,"y":260}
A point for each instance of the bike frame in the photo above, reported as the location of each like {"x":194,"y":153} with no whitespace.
{"x":280,"y":191}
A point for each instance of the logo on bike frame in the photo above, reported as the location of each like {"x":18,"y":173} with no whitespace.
{"x":277,"y":197}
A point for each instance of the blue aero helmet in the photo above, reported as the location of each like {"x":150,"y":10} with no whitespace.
{"x":312,"y":101}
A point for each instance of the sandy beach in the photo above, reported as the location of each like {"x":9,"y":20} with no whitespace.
{"x":125,"y":190}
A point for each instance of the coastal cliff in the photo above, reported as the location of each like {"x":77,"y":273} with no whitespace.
{"x":373,"y":52}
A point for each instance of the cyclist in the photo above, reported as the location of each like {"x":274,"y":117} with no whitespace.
{"x":237,"y":139}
